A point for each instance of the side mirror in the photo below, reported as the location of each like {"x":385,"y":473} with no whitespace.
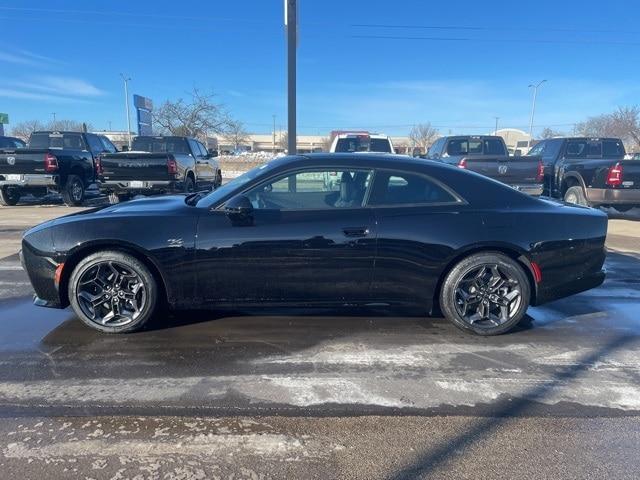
{"x":212,"y":153}
{"x":239,"y":208}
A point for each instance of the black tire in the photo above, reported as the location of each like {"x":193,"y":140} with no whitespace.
{"x":189,"y":184}
{"x":576,"y":196}
{"x":108,"y":293}
{"x":463,"y":282}
{"x":73,"y":191}
{"x":218,"y":181}
{"x":9,"y":196}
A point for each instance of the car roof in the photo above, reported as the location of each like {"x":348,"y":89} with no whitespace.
{"x":362,"y":160}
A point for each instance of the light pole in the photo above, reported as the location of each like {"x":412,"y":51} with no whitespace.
{"x":291,"y":23}
{"x":533,"y":108}
{"x":495,"y":132}
{"x":126,"y":105}
{"x":273,"y":148}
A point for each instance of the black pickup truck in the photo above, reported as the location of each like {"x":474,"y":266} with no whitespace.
{"x":589,"y":171}
{"x":63,"y":162}
{"x":488,"y":155}
{"x":157,"y":165}
{"x":11,"y":143}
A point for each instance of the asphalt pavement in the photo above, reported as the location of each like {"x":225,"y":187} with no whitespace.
{"x":338,"y":394}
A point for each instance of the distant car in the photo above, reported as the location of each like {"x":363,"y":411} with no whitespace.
{"x":397,"y":231}
{"x":157,"y":165}
{"x":62,"y":162}
{"x":12,"y":142}
{"x":361,"y":142}
{"x":488,"y":155}
{"x":590,"y":172}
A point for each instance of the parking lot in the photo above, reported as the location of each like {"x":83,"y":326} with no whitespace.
{"x":344,"y":394}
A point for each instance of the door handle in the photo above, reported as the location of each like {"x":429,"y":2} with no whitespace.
{"x":354,"y":232}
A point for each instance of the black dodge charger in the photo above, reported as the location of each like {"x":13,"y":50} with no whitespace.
{"x":322,"y":230}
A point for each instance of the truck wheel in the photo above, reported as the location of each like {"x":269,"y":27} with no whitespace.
{"x":218,"y":181}
{"x":73,"y":191}
{"x":9,"y":196}
{"x":189,"y":184}
{"x":576,"y":196}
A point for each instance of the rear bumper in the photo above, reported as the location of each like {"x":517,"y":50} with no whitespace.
{"x":31,"y":180}
{"x":613,"y":196}
{"x":587,"y":282}
{"x":533,"y":190}
{"x":143,"y":186}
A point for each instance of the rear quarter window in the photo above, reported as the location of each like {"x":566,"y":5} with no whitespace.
{"x":403,"y":188}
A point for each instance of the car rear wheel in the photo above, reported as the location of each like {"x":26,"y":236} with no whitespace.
{"x":9,"y":196}
{"x":73,"y":191}
{"x":576,"y":196}
{"x":218,"y":181}
{"x":113,"y":292}
{"x":486,"y":293}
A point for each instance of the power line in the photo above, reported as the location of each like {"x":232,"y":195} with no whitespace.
{"x":496,"y":40}
{"x":490,"y":29}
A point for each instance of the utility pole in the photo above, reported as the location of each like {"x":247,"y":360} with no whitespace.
{"x":273,"y":148}
{"x":533,"y":108}
{"x":54,"y":120}
{"x":126,"y":105}
{"x":109,"y":125}
{"x":495,"y":132}
{"x":291,"y":23}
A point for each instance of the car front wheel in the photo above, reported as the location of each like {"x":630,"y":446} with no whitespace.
{"x":486,"y":293}
{"x":576,"y":196}
{"x":113,"y":292}
{"x":9,"y":196}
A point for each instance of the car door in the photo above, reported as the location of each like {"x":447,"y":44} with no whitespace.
{"x":203,"y":169}
{"x":309,"y":241}
{"x":417,"y":218}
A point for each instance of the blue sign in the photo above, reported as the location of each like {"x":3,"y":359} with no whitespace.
{"x":144,"y":107}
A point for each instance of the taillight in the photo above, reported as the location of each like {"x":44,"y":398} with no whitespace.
{"x":172,"y":165}
{"x":98,"y":164}
{"x":614,"y":175}
{"x":540,"y":174}
{"x":50,"y":163}
{"x":462,"y":163}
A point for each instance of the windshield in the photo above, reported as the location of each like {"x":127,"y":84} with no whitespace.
{"x":160,"y":145}
{"x":363,"y":144}
{"x":72,"y":141}
{"x":221,"y":192}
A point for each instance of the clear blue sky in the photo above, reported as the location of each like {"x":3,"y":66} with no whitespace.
{"x":465,"y":63}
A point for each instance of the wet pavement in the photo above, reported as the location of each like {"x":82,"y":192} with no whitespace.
{"x":353,"y":394}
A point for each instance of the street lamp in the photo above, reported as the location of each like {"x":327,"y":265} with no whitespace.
{"x":126,"y":105}
{"x":533,"y":108}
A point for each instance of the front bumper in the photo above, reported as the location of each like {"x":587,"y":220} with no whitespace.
{"x":31,"y":180}
{"x":613,"y":196}
{"x":587,"y":282}
{"x":41,"y":271}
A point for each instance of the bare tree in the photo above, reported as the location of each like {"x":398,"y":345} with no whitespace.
{"x":69,"y":126}
{"x":195,"y":117}
{"x":24,"y":129}
{"x":423,"y":135}
{"x":550,"y":133}
{"x":624,"y":123}
{"x":283,"y":143}
{"x":236,"y":133}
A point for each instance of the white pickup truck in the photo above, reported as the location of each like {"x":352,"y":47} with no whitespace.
{"x":361,"y":142}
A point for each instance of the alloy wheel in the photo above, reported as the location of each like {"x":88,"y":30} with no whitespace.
{"x":111,"y":294}
{"x":487,"y":296}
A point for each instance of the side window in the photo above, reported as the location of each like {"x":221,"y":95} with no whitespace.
{"x":612,"y":148}
{"x":458,"y":146}
{"x":538,"y":149}
{"x":399,"y":188}
{"x":194,"y":147}
{"x":203,"y":149}
{"x":108,"y":146}
{"x":576,"y":149}
{"x":312,"y":190}
{"x":436,"y":147}
{"x":95,"y":145}
{"x":493,"y":146}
